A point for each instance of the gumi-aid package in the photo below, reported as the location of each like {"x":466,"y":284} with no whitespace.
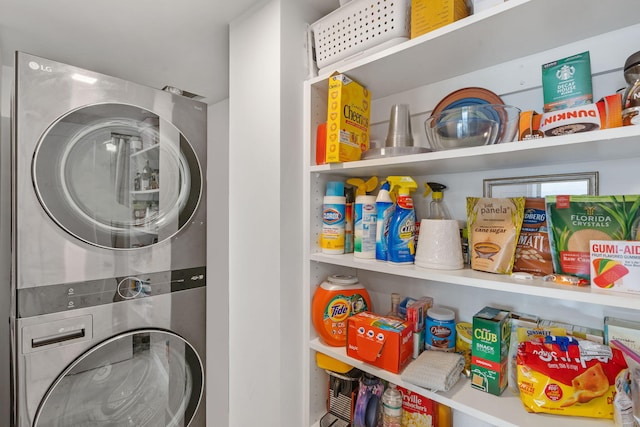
{"x":615,"y":266}
{"x":564,"y":376}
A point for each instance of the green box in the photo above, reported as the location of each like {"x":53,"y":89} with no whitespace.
{"x":566,"y":83}
{"x":490,"y":350}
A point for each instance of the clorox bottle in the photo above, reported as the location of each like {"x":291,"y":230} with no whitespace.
{"x":401,"y":244}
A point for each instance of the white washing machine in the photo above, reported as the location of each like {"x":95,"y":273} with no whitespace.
{"x":109,"y":262}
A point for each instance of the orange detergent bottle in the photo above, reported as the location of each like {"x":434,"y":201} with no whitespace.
{"x":335,"y":300}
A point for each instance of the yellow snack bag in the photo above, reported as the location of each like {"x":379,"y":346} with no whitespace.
{"x":565,"y":376}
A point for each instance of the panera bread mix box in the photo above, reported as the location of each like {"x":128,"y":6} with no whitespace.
{"x":380,"y":341}
{"x":348,"y":110}
{"x":490,"y":350}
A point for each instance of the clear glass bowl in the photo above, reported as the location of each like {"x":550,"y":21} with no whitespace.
{"x":472,"y":126}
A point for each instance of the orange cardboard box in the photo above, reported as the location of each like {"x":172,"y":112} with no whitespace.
{"x":380,"y":341}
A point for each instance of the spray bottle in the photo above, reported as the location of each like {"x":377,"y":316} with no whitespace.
{"x":437,"y":208}
{"x":385,"y":208}
{"x":365,"y":217}
{"x":402,"y":227}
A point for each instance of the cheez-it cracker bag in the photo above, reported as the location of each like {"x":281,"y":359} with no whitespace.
{"x":348,"y":110}
{"x":565,"y":376}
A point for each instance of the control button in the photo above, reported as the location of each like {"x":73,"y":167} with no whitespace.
{"x":129,"y":287}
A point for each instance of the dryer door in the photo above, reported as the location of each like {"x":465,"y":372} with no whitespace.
{"x":117,"y":176}
{"x":150,"y":378}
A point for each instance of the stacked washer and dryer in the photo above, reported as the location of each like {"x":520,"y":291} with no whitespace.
{"x":109,"y":237}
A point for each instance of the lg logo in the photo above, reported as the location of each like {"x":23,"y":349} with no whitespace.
{"x":35,"y":66}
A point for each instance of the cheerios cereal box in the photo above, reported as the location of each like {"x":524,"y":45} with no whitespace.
{"x":348,"y":110}
{"x":417,"y":410}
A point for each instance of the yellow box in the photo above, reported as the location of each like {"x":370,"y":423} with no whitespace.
{"x":427,"y":15}
{"x":348,"y":109}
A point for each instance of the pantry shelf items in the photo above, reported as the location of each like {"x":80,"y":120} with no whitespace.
{"x":420,"y":72}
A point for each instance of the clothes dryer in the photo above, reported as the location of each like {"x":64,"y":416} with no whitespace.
{"x":130,"y":353}
{"x":108,"y":246}
{"x":108,"y":176}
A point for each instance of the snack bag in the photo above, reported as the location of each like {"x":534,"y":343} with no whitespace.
{"x":494,"y":226}
{"x":565,"y":376}
{"x":533,"y":253}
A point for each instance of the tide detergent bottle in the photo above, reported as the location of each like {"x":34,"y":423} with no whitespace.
{"x":401,"y":244}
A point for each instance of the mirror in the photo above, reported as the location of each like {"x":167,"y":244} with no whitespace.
{"x":584,"y":183}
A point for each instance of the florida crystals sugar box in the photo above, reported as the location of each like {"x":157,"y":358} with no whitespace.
{"x":574,"y":221}
{"x":380,"y":341}
{"x":348,"y":109}
{"x":490,"y":350}
{"x":566,"y":82}
{"x":615,"y":265}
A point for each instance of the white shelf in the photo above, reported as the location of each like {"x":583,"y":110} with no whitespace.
{"x":152,"y":149}
{"x":502,"y":411}
{"x":606,"y":144}
{"x":501,"y":39}
{"x":482,"y":280}
{"x":482,"y":40}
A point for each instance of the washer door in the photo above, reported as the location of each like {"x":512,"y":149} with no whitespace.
{"x":143,"y":378}
{"x":116,"y":176}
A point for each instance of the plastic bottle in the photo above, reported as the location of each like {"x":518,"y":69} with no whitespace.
{"x":391,"y":407}
{"x":336,"y":299}
{"x":364,"y":229}
{"x":402,"y":226}
{"x":385,"y":208}
{"x":365,"y":217}
{"x":145,"y":177}
{"x":395,"y":302}
{"x":348,"y":220}
{"x":437,"y":208}
{"x":333,"y":218}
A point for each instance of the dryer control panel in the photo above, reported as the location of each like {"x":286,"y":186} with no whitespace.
{"x":69,"y":296}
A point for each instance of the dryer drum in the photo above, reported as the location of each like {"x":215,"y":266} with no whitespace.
{"x":144,"y":378}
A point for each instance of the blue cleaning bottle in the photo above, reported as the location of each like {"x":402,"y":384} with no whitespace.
{"x":401,"y":247}
{"x":385,"y":208}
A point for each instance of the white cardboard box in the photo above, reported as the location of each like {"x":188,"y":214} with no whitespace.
{"x":615,"y":265}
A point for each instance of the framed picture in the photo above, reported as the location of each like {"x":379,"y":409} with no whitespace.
{"x":582,"y":183}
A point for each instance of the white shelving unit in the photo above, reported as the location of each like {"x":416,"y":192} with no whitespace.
{"x":501,"y":49}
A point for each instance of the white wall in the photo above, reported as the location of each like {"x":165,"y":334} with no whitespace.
{"x":254,"y":218}
{"x":218,"y":264}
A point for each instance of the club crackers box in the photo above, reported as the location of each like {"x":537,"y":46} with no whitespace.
{"x":615,"y":265}
{"x":348,"y":111}
{"x":490,"y":350}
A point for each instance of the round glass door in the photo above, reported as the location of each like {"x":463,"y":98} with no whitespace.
{"x":117,"y":176}
{"x":147,"y":378}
